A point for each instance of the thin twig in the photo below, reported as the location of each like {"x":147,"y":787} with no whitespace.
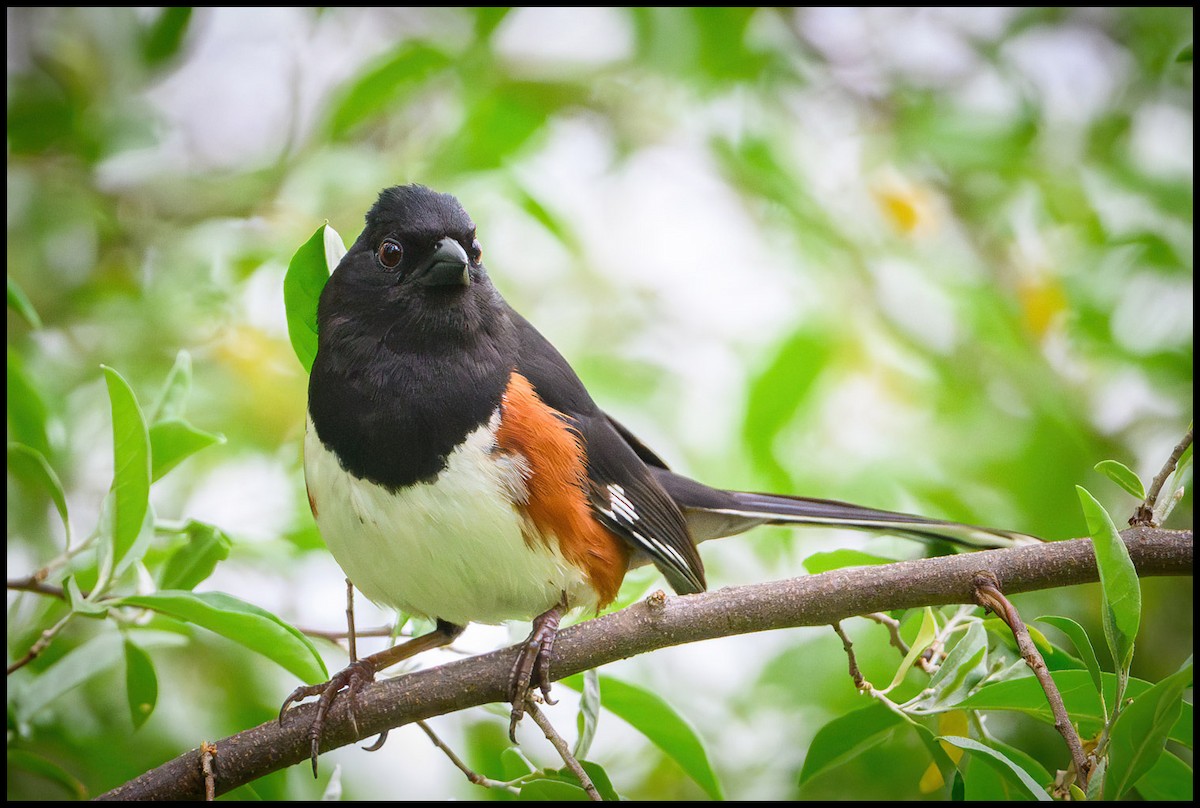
{"x":989,"y":596}
{"x":563,"y":750}
{"x":893,"y":627}
{"x":32,"y":583}
{"x":208,"y":751}
{"x":1144,"y":515}
{"x":47,"y":637}
{"x":336,"y":637}
{"x":472,"y":775}
{"x":350,"y":635}
{"x":860,"y":681}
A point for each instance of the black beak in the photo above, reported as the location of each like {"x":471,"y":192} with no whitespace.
{"x":447,"y":266}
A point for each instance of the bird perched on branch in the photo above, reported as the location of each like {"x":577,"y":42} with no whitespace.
{"x":458,"y":468}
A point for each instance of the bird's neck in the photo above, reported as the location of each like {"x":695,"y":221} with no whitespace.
{"x":393,"y":411}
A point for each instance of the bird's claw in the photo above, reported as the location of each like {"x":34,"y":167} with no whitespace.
{"x":350,"y":679}
{"x":532,"y":668}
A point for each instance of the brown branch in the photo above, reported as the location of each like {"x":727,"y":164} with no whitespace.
{"x":208,"y":751}
{"x":1144,"y":515}
{"x":860,"y":681}
{"x":472,"y":775}
{"x":659,"y":623}
{"x":989,"y":596}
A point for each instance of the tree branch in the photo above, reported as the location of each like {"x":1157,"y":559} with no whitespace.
{"x":650,"y":625}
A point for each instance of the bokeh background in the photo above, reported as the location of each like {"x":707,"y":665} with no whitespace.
{"x":923,"y":259}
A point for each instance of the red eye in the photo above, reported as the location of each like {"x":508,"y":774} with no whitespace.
{"x":390,"y":253}
{"x":476,"y":252}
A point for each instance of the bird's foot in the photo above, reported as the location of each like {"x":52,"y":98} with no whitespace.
{"x":350,"y":679}
{"x":532,"y":669}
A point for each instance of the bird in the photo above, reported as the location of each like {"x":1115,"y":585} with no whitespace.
{"x":458,"y":469}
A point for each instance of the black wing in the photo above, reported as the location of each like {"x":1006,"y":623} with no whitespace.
{"x":625,"y":496}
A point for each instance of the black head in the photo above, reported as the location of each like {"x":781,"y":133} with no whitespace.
{"x":413,"y":276}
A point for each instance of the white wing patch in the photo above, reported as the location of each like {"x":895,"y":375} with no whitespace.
{"x":622,"y":511}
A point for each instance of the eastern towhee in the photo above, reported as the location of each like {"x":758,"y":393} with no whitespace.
{"x":458,"y":469}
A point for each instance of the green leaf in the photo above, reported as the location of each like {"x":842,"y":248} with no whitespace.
{"x":548,"y":790}
{"x":27,"y":412}
{"x":1140,"y":732}
{"x":96,"y":656}
{"x":650,"y":715}
{"x":1185,"y":55}
{"x":31,"y":465}
{"x":1122,"y":610}
{"x":131,"y":463}
{"x":595,"y":772}
{"x":141,"y":683}
{"x":1083,"y":647}
{"x":988,"y":781}
{"x":172,"y":401}
{"x":244,"y":623}
{"x":18,"y":302}
{"x":383,"y":88}
{"x":195,"y":561}
{"x":1026,"y":696}
{"x":172,"y":441}
{"x":307,"y":274}
{"x":589,"y":713}
{"x":1001,"y":762}
{"x":162,"y":39}
{"x":46,"y":769}
{"x":848,"y":736}
{"x":925,"y":636}
{"x":80,"y":604}
{"x":840,"y":559}
{"x":1123,"y":476}
{"x":1169,"y":779}
{"x":963,"y":669}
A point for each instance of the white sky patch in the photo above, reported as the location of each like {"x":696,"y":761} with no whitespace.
{"x":561,"y":37}
{"x":915,"y":303}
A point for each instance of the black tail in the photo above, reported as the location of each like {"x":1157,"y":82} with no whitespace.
{"x":712,"y":513}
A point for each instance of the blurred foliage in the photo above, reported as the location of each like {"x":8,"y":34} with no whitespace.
{"x":966,"y":237}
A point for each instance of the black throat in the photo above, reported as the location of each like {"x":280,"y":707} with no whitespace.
{"x":393,"y":400}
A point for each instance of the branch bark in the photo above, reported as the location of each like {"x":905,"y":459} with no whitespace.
{"x":650,"y":625}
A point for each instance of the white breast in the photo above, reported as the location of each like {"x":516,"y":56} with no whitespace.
{"x":452,"y":549}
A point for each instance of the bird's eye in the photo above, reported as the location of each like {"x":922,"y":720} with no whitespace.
{"x":390,"y":253}
{"x":476,"y":252}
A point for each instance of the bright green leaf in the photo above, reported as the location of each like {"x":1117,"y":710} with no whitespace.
{"x":384,"y":87}
{"x":549,"y":790}
{"x":141,"y":683}
{"x":963,"y":669}
{"x":27,"y":412}
{"x":307,"y":274}
{"x":18,"y":302}
{"x":172,"y":401}
{"x":32,"y":763}
{"x":652,"y":716}
{"x":195,"y":561}
{"x":1026,"y":696}
{"x":1001,"y":761}
{"x":1141,"y":730}
{"x":31,"y":465}
{"x":131,"y":463}
{"x":172,"y":441}
{"x":80,"y":604}
{"x":1083,"y":646}
{"x":94,"y":657}
{"x":1122,"y":610}
{"x":589,"y":713}
{"x":1169,"y":779}
{"x":840,"y":559}
{"x":162,"y":39}
{"x":846,"y":737}
{"x":925,"y":636}
{"x":595,"y":772}
{"x":1123,"y":476}
{"x":244,"y":623}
